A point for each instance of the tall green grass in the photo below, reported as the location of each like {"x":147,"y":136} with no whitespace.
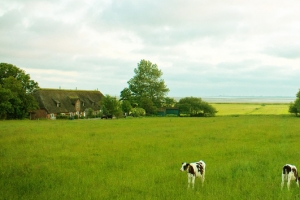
{"x":140,"y":158}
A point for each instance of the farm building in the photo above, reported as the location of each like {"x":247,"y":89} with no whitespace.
{"x":168,"y":111}
{"x":53,"y":102}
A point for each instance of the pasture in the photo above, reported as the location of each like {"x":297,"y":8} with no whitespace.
{"x":251,"y":108}
{"x":140,"y":158}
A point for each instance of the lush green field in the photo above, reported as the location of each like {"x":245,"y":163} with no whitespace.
{"x":140,"y":158}
{"x":251,"y":109}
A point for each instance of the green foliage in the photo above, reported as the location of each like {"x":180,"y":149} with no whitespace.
{"x":5,"y":104}
{"x":195,"y":107}
{"x":138,"y":112}
{"x":140,"y":158}
{"x":127,"y":95}
{"x":9,"y":70}
{"x":148,"y":105}
{"x":60,"y":116}
{"x":126,"y":106}
{"x":146,"y":87}
{"x":16,"y":92}
{"x":89,"y":113}
{"x":169,"y":102}
{"x":208,"y":110}
{"x":110,"y":105}
{"x":294,"y":108}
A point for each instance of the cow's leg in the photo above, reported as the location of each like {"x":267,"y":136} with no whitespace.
{"x":202,"y":179}
{"x":297,"y":181}
{"x":193,"y":181}
{"x":189,"y":180}
{"x":282,"y":180}
{"x":289,"y":181}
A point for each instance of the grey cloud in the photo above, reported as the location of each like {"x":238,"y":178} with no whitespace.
{"x":202,"y":47}
{"x":151,"y":19}
{"x":284,"y":51}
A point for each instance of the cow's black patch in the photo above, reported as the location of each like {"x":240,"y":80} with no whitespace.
{"x":200,"y":167}
{"x":295,"y":174}
{"x":191,"y":170}
{"x":286,"y":169}
{"x":186,"y":166}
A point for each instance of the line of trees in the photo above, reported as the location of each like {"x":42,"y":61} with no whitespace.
{"x":145,"y":94}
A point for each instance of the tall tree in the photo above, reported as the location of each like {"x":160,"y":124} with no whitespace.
{"x":16,"y":88}
{"x":146,"y":84}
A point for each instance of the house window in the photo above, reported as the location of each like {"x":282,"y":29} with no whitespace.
{"x":58,"y":104}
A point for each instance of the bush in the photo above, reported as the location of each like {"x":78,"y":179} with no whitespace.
{"x":60,"y":116}
{"x":89,"y":113}
{"x":137,"y":112}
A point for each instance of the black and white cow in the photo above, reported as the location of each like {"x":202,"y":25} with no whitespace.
{"x":289,"y":173}
{"x":195,"y":169}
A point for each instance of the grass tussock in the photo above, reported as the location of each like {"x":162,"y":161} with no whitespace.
{"x":140,"y":158}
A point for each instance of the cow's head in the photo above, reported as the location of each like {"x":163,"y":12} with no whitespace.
{"x":184,"y":166}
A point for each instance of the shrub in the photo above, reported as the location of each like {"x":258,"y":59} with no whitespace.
{"x":137,"y":112}
{"x":60,"y":116}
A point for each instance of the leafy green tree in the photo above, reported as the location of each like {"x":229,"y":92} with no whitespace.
{"x":126,"y":106}
{"x":9,"y":70}
{"x":17,"y":88}
{"x":195,"y":107}
{"x":148,"y":105}
{"x":294,"y":108}
{"x":208,"y":110}
{"x":146,"y":84}
{"x":110,"y":105}
{"x":126,"y":95}
{"x":5,"y":104}
{"x":169,"y":102}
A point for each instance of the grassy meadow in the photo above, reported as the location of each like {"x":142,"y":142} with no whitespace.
{"x":140,"y":158}
{"x":251,"y":108}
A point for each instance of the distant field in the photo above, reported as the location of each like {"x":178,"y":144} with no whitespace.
{"x":140,"y":158}
{"x":251,"y":109}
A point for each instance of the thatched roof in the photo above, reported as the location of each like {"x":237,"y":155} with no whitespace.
{"x":48,"y":99}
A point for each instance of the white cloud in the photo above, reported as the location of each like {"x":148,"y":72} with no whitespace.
{"x":202,"y":47}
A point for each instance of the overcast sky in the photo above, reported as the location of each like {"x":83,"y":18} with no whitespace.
{"x":203,"y":47}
